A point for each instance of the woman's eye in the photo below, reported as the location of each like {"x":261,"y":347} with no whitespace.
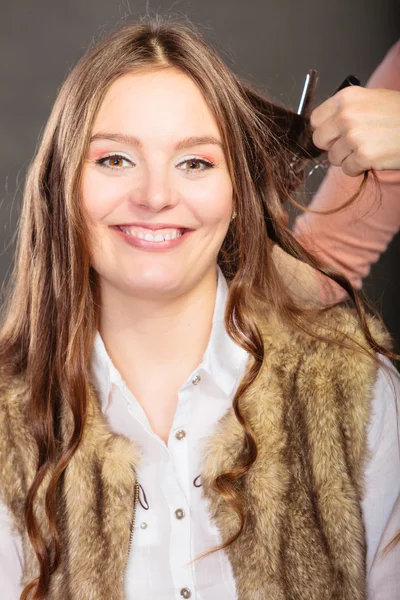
{"x":191,"y":165}
{"x":115,"y":162}
{"x":195,"y":165}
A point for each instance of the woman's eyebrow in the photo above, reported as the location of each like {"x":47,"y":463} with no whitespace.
{"x":134,"y":141}
{"x":198,"y":141}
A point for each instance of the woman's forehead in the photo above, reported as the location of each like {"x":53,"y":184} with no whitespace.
{"x":164,"y":103}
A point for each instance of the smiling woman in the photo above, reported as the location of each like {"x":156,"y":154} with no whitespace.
{"x":172,"y":424}
{"x":162,"y":159}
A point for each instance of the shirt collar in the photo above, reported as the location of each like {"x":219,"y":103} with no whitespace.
{"x":223,"y":360}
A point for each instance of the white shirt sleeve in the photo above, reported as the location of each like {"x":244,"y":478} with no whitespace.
{"x":381,"y":504}
{"x":10,"y":558}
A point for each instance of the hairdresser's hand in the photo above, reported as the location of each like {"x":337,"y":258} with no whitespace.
{"x":360,"y":129}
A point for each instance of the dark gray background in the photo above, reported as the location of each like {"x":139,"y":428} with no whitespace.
{"x":270,"y":42}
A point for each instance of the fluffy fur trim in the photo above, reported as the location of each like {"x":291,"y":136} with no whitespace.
{"x":304,"y":538}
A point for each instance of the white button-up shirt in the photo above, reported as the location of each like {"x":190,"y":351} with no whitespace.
{"x":172,"y":522}
{"x":172,"y":525}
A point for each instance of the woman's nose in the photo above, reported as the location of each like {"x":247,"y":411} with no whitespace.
{"x":155,"y":192}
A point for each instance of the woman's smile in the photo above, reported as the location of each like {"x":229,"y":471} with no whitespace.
{"x":152,"y":240}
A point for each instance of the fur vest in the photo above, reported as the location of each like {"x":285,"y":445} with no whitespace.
{"x":304,"y":537}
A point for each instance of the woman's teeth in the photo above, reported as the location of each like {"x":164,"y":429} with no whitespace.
{"x":169,"y":234}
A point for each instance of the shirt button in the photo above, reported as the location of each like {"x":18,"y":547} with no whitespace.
{"x":195,"y":381}
{"x":180,"y":513}
{"x":186,"y":593}
{"x":143,"y":525}
{"x":180,"y":434}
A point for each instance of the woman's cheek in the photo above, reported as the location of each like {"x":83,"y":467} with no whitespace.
{"x":101,"y":195}
{"x":210,"y":200}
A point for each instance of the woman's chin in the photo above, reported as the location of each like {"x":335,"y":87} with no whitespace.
{"x":153,"y":287}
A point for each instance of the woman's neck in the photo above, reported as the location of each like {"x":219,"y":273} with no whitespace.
{"x":140,"y":335}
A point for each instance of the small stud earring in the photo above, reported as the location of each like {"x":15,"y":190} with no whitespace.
{"x":233,"y":215}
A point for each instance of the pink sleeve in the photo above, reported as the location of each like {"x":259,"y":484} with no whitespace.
{"x":353,"y":239}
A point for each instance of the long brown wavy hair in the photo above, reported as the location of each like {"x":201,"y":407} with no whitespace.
{"x":52,"y":310}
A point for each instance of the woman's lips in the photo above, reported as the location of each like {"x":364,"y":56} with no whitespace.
{"x":152,"y":246}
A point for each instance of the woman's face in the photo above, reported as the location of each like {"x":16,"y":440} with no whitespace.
{"x":155,"y":186}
